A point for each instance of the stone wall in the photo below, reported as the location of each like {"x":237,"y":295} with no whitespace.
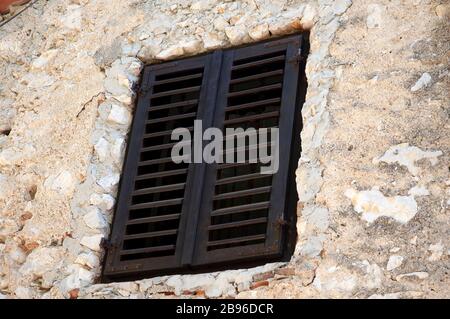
{"x":373,"y":178}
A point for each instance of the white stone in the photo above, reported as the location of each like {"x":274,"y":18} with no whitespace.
{"x":317,"y":217}
{"x":375,"y":17}
{"x":94,"y":218}
{"x":437,"y":250}
{"x":109,"y":182}
{"x":211,"y":41}
{"x":92,"y":242}
{"x":38,"y":80}
{"x":72,"y":19}
{"x":150,"y":48}
{"x":134,"y":69}
{"x":118,"y":91}
{"x":312,"y":247}
{"x":63,"y":183}
{"x":103,"y":201}
{"x":189,"y":282}
{"x":220,"y":286}
{"x":372,"y":204}
{"x":41,"y":260}
{"x":374,"y":275}
{"x":16,"y":254}
{"x":125,"y":81}
{"x":220,"y":23}
{"x":78,"y":278}
{"x":394,"y":261}
{"x":118,"y":150}
{"x":422,"y":82}
{"x":170,"y":53}
{"x":131,"y":49}
{"x":102,"y":149}
{"x":309,"y":181}
{"x":88,"y":259}
{"x":119,"y":115}
{"x":49,"y":278}
{"x":72,"y":246}
{"x":309,"y":14}
{"x":191,"y":46}
{"x":13,"y":156}
{"x":334,"y":279}
{"x":418,"y":191}
{"x":259,"y":32}
{"x":340,"y":6}
{"x":23,"y":293}
{"x":236,"y":34}
{"x":203,"y":5}
{"x":406,"y":155}
{"x":294,"y":13}
{"x":44,"y":59}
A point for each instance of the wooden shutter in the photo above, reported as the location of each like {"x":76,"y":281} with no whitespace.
{"x":243,"y":211}
{"x":156,"y":195}
{"x":170,"y":217}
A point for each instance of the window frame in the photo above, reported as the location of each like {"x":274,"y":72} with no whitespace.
{"x":212,"y":102}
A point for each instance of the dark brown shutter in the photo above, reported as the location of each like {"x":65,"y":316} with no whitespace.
{"x":170,"y":217}
{"x":243,"y":211}
{"x":156,"y":195}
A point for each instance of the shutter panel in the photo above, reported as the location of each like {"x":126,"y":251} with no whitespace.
{"x":243,"y":211}
{"x":158,"y":199}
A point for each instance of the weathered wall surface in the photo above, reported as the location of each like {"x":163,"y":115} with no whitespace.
{"x":373,"y":179}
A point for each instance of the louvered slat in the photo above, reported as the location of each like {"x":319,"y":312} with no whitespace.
{"x":252,"y":118}
{"x":163,"y":188}
{"x":176,"y":91}
{"x":253,"y":104}
{"x":162,"y":133}
{"x":172,"y":118}
{"x":153,"y":219}
{"x":255,"y":90}
{"x":151,"y":234}
{"x":238,"y":224}
{"x":240,"y":209}
{"x":147,"y":250}
{"x":259,"y":62}
{"x":245,"y":192}
{"x":236,"y":240}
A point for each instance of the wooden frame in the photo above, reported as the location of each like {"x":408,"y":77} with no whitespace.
{"x":192,"y":236}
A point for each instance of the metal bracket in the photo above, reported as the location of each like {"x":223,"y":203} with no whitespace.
{"x":107,"y":244}
{"x":281,"y":222}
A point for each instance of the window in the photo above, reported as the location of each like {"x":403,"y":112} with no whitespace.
{"x":172,"y":218}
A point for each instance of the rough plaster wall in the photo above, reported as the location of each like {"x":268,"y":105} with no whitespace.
{"x":65,"y":104}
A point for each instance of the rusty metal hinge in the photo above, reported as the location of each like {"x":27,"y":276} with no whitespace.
{"x":282,"y":222}
{"x":107,"y":244}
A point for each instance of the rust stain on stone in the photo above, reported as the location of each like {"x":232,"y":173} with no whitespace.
{"x":259,"y":284}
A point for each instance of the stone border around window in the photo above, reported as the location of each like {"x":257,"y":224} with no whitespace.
{"x":93,"y":202}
